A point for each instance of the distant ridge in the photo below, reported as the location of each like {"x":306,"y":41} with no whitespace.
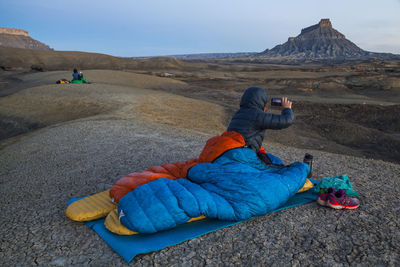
{"x":18,"y":38}
{"x":213,"y":55}
{"x":49,"y":60}
{"x":316,"y":43}
{"x":320,"y":41}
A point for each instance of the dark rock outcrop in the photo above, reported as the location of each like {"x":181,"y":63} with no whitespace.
{"x":319,"y":41}
{"x":20,"y":39}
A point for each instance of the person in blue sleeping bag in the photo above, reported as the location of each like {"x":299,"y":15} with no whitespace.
{"x":236,"y":186}
{"x":252,"y":119}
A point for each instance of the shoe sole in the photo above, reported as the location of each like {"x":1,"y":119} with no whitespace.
{"x":339,"y":207}
{"x":322,"y":202}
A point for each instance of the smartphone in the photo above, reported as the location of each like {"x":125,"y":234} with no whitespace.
{"x":276,"y":101}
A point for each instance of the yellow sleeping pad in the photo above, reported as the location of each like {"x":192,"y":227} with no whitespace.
{"x":90,"y":208}
{"x":307,"y":186}
{"x":197,"y":218}
{"x":113,"y":224}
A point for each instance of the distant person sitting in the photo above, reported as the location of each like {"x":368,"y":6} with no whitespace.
{"x":75,"y":75}
{"x":251,"y":120}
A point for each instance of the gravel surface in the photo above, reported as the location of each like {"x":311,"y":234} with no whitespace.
{"x":41,"y":172}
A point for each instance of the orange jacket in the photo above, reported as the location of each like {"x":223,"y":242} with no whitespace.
{"x":214,"y":148}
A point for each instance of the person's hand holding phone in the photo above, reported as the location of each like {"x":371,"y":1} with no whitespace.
{"x":286,"y":103}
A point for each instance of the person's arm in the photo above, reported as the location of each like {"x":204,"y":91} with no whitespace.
{"x":277,"y":122}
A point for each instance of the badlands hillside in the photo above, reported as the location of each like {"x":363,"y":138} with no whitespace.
{"x":348,"y":109}
{"x":18,"y":38}
{"x":91,"y":135}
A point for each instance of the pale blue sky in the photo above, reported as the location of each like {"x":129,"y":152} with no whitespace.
{"x":156,"y":27}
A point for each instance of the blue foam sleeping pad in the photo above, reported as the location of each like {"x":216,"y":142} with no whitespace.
{"x":235,"y":187}
{"x":130,"y":246}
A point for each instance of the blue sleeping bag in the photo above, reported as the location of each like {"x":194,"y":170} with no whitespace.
{"x":236,"y":186}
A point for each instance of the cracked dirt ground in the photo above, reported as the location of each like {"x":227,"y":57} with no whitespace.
{"x":42,"y":172}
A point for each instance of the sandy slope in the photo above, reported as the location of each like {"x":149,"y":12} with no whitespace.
{"x":113,"y":93}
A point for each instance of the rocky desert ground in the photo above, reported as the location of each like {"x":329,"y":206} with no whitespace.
{"x":70,"y":140}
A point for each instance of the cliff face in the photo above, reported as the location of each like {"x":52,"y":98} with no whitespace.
{"x":319,"y":41}
{"x":14,"y":31}
{"x":20,"y":39}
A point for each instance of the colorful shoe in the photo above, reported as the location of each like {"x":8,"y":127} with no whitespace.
{"x":323,"y":196}
{"x":339,"y":200}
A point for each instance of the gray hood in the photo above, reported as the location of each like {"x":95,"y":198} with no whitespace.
{"x":254,"y":97}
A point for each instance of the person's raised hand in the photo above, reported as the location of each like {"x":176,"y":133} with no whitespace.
{"x":286,"y":103}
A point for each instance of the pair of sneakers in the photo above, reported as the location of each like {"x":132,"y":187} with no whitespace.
{"x":337,"y":199}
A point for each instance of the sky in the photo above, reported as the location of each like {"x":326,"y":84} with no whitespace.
{"x":132,"y":28}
